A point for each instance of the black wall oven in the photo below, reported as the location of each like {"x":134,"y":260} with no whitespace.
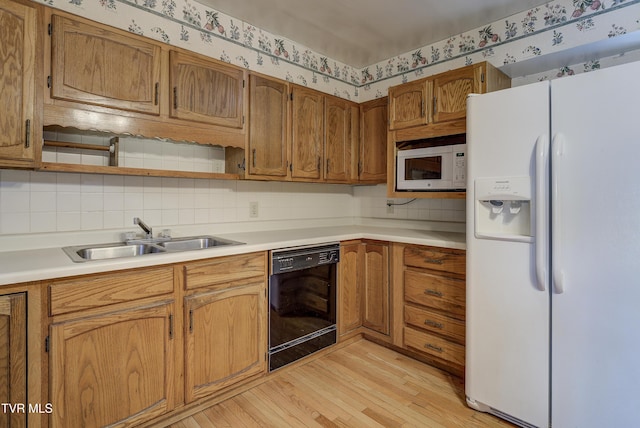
{"x":302,"y":302}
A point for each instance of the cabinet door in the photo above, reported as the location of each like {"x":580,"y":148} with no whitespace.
{"x":339,"y":138}
{"x":268,"y":127}
{"x":306,"y":144}
{"x":226,"y":339}
{"x":13,"y":357}
{"x":17,"y":81}
{"x":450,"y":92}
{"x":112,"y":369}
{"x":350,"y":288}
{"x":374,"y":117}
{"x":408,"y":104}
{"x":206,"y":91}
{"x":95,"y":65}
{"x":376,"y":295}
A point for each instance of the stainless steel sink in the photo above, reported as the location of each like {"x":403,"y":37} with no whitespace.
{"x":142,"y":247}
{"x":195,"y":243}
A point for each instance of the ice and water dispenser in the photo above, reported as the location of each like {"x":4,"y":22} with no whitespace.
{"x":503,"y":208}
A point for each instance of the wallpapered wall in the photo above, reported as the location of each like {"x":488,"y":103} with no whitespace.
{"x":556,"y":26}
{"x":42,"y":202}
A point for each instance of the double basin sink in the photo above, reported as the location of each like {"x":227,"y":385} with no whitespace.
{"x":83,"y":253}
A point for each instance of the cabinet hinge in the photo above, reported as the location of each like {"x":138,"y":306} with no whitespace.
{"x":243,"y":119}
{"x":291,"y":96}
{"x":243,"y":83}
{"x":46,"y":344}
{"x":190,"y":320}
{"x":49,"y":29}
{"x":48,"y":81}
{"x":482,"y":77}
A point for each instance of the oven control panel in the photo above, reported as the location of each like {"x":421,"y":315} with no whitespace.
{"x":292,"y":259}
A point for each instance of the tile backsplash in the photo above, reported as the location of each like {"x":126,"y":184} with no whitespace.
{"x":40,"y":202}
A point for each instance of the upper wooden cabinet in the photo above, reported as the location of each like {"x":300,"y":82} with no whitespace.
{"x":20,"y":58}
{"x":450,"y":91}
{"x":442,"y":97}
{"x":408,"y":104}
{"x":94,"y":65}
{"x":372,"y":164}
{"x":110,"y":80}
{"x":307,"y":133}
{"x":340,"y":139}
{"x":268,"y":147}
{"x":205,"y":91}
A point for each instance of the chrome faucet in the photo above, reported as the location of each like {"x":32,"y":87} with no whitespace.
{"x":147,"y":230}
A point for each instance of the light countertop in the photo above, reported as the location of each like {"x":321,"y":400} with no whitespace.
{"x":48,"y":263}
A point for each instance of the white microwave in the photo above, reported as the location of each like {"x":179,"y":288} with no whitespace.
{"x":432,"y":168}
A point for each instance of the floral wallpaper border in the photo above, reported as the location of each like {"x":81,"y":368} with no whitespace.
{"x":552,"y":27}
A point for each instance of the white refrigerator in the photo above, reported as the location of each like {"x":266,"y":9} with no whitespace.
{"x":553,"y":251}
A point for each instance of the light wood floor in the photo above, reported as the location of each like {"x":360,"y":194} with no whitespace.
{"x":360,"y":385}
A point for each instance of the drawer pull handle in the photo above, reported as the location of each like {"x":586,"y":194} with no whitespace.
{"x":433,"y":324}
{"x":434,"y":261}
{"x":433,"y":347}
{"x":433,"y":293}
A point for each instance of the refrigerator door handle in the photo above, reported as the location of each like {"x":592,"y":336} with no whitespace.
{"x":542,"y":209}
{"x":557,"y":150}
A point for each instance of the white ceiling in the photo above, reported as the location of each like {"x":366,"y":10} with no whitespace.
{"x":363,"y":32}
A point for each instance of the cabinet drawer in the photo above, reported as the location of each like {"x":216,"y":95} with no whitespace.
{"x":433,"y":345}
{"x":441,"y":259}
{"x":434,"y":322}
{"x":224,"y":270}
{"x":446,"y":294}
{"x":106,"y":289}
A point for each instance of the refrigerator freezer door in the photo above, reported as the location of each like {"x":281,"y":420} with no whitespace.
{"x":507,"y":348}
{"x":595,"y":321}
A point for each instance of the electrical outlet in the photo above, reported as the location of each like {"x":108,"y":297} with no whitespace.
{"x":253,"y":209}
{"x":389,"y":206}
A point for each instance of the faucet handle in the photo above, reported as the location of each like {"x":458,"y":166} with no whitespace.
{"x":147,"y":230}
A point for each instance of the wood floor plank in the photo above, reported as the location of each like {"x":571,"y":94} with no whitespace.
{"x":340,"y":395}
{"x":288,"y":400}
{"x":360,"y":385}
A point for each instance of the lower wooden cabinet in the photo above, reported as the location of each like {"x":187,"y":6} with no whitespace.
{"x":225,"y":338}
{"x":364,"y":286}
{"x":113,"y":369}
{"x":225,"y":323}
{"x":376,"y":286}
{"x":350,"y":287}
{"x":434,"y":305}
{"x":13,"y":357}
